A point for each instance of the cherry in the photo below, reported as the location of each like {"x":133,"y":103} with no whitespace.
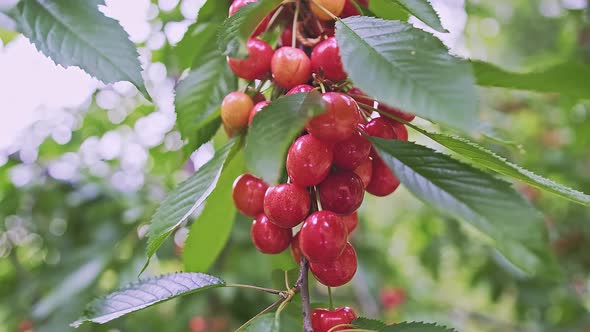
{"x":360,"y":96}
{"x":237,"y":4}
{"x":351,"y":221}
{"x":256,"y":96}
{"x":198,"y":324}
{"x":383,"y":181}
{"x":337,"y":272}
{"x":300,"y":89}
{"x":287,"y":37}
{"x":351,"y":10}
{"x":333,"y":6}
{"x":392,"y":298}
{"x":325,"y":58}
{"x":341,"y":192}
{"x":323,"y":320}
{"x":396,"y":112}
{"x":235,"y":110}
{"x":248,"y":194}
{"x":309,"y":161}
{"x":379,"y":127}
{"x":296,"y":249}
{"x":365,"y":171}
{"x":257,"y":65}
{"x":338,"y":122}
{"x":352,"y":152}
{"x":322,"y":236}
{"x":257,"y":108}
{"x":287,"y":204}
{"x":268,"y":237}
{"x":401,"y":132}
{"x":290,"y":67}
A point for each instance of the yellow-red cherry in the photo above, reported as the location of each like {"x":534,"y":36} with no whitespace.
{"x":309,"y":161}
{"x":338,"y":122}
{"x":290,"y":67}
{"x":235,"y":110}
{"x":336,"y":272}
{"x":325,"y":59}
{"x":268,"y":237}
{"x":322,"y":236}
{"x":341,"y":192}
{"x":335,"y":7}
{"x":287,"y":204}
{"x":248,"y":194}
{"x":324,"y":320}
{"x":257,"y":65}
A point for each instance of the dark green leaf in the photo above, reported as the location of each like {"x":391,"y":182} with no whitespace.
{"x":274,"y":129}
{"x":467,"y":193}
{"x":388,"y":9}
{"x":76,"y":33}
{"x":416,"y":327}
{"x":368,"y":324}
{"x":569,"y":78}
{"x":423,"y":10}
{"x":408,"y":68}
{"x":210,"y":232}
{"x":188,"y":196}
{"x":236,"y":30}
{"x":145,"y":293}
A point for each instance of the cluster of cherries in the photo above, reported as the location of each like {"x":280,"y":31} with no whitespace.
{"x":332,"y":163}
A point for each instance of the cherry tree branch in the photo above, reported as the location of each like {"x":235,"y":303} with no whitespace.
{"x":302,"y":284}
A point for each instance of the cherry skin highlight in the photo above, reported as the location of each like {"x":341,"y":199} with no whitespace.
{"x":299,"y":89}
{"x":257,"y":108}
{"x":290,"y":67}
{"x":325,"y":58}
{"x":338,"y":122}
{"x":365,"y":171}
{"x":323,"y":320}
{"x":286,"y":205}
{"x":248,"y":194}
{"x":341,"y":192}
{"x":235,"y":110}
{"x":268,"y":237}
{"x":352,"y":152}
{"x":337,"y":272}
{"x":257,"y":65}
{"x":322,"y":236}
{"x":309,"y":161}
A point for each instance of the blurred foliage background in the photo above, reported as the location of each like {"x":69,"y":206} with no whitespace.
{"x":75,"y":202}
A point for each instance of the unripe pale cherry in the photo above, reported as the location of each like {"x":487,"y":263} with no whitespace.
{"x":299,"y":89}
{"x":338,"y":122}
{"x":351,"y":221}
{"x":341,"y":192}
{"x":287,"y":204}
{"x":333,"y":6}
{"x":268,"y":237}
{"x":336,"y":272}
{"x":352,"y":152}
{"x":235,"y":110}
{"x":309,"y":161}
{"x":325,"y":58}
{"x":257,"y":108}
{"x":323,"y":320}
{"x":383,"y":181}
{"x":248,"y":194}
{"x":290,"y":67}
{"x":257,"y":64}
{"x":365,"y":171}
{"x":237,"y":4}
{"x":322,"y":236}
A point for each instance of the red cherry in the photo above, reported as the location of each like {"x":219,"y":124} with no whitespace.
{"x":323,"y":320}
{"x":237,"y":4}
{"x":300,"y":89}
{"x":338,"y":122}
{"x":342,"y":192}
{"x":296,"y":249}
{"x":352,"y":152}
{"x":248,"y":194}
{"x":325,"y":58}
{"x":287,"y":204}
{"x":322,"y":236}
{"x":401,"y":132}
{"x":198,"y":324}
{"x":257,"y":108}
{"x":337,"y":272}
{"x":361,"y":97}
{"x":268,"y":237}
{"x":379,"y":127}
{"x":365,"y":171}
{"x":287,"y":37}
{"x":351,"y":221}
{"x":290,"y":67}
{"x":309,"y":161}
{"x":392,"y":298}
{"x":396,"y":112}
{"x":257,"y":65}
{"x":351,"y":10}
{"x":383,"y":181}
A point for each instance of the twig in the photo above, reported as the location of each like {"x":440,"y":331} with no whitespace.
{"x":302,"y":284}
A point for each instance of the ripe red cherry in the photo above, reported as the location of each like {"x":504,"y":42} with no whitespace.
{"x":338,"y":122}
{"x":268,"y":237}
{"x":235,"y":110}
{"x":351,"y":10}
{"x":333,"y":6}
{"x":257,"y":108}
{"x":396,"y":112}
{"x":392,"y":298}
{"x":361,"y":97}
{"x":365,"y":171}
{"x":351,"y":221}
{"x":401,"y":132}
{"x":323,"y":320}
{"x":322,"y":236}
{"x":257,"y":65}
{"x":352,"y":152}
{"x":337,"y":272}
{"x":237,"y":4}
{"x":379,"y":127}
{"x":300,"y":89}
{"x":383,"y":181}
{"x":290,"y":67}
{"x":248,"y":194}
{"x":342,"y":192}
{"x":325,"y":58}
{"x":287,"y":37}
{"x":296,"y":249}
{"x":287,"y":204}
{"x":309,"y":161}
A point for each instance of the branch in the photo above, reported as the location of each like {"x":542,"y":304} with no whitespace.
{"x":302,"y":284}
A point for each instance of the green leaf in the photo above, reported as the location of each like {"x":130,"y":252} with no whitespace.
{"x":368,"y":324}
{"x":198,"y":98}
{"x":236,"y":30}
{"x":145,"y":293}
{"x":569,"y":78}
{"x":416,"y":327}
{"x":270,"y":322}
{"x":423,"y":11}
{"x":389,"y":10}
{"x":408,"y":68}
{"x":210,"y":232}
{"x":76,"y":33}
{"x":188,"y":196}
{"x":491,"y":205}
{"x":274,"y":129}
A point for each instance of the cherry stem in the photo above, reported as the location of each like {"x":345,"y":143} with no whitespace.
{"x":262,"y":289}
{"x":274,"y":17}
{"x":302,"y":284}
{"x":330,"y":298}
{"x":295,"y":18}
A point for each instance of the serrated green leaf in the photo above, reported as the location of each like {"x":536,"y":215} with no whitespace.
{"x":274,"y":129}
{"x":76,"y":33}
{"x":198,"y":98}
{"x":570,"y":78}
{"x":416,"y":327}
{"x":389,"y":10}
{"x":236,"y":30}
{"x":490,"y":205}
{"x":210,"y":232}
{"x":423,"y":11}
{"x":272,"y":323}
{"x":408,"y":68}
{"x":188,"y":196}
{"x":368,"y":324}
{"x":145,"y":293}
